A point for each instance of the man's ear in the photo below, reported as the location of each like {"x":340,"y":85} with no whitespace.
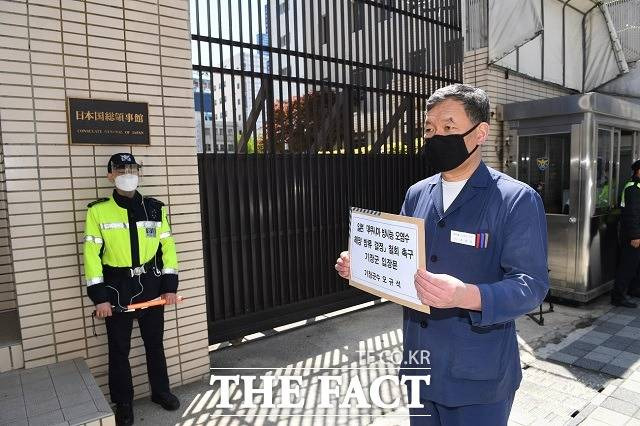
{"x":482,"y":133}
{"x":110,"y":177}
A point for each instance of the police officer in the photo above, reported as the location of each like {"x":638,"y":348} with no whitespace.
{"x":486,"y":251}
{"x":629,"y":242}
{"x":130,"y":257}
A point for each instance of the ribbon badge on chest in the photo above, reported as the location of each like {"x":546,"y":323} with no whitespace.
{"x":482,"y":240}
{"x":478,"y":240}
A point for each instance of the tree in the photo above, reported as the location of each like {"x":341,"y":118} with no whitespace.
{"x":314,"y":121}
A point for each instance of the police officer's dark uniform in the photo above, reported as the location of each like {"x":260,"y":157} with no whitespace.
{"x":629,"y":231}
{"x":130,"y":257}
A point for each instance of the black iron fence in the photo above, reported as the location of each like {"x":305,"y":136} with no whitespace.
{"x":305,"y":108}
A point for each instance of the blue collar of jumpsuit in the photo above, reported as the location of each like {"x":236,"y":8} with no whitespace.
{"x":478,"y":180}
{"x":126,"y":202}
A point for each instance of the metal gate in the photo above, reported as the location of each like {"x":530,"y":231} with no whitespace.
{"x":303,"y":109}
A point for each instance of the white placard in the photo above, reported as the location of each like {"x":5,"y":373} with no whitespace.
{"x":386,"y":250}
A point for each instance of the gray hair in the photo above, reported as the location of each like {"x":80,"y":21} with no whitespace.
{"x":475,"y":100}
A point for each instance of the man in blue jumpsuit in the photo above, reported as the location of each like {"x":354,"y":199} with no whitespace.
{"x":486,"y":251}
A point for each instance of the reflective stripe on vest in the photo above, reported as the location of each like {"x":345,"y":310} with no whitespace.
{"x":140,"y":224}
{"x":116,"y":225}
{"x":93,"y":239}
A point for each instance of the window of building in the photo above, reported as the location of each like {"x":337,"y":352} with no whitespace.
{"x":384,"y":77}
{"x":543,"y":164}
{"x":452,"y":52}
{"x":383,"y":12}
{"x":418,"y":61}
{"x":284,"y":71}
{"x":324,"y":30}
{"x":284,"y":40}
{"x":358,"y":77}
{"x":283,"y":6}
{"x":357,"y":15}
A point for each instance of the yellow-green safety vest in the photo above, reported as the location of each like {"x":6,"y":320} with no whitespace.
{"x":627,"y":185}
{"x":603,"y":196}
{"x":107,"y":240}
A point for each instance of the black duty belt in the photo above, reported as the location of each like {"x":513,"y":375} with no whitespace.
{"x":124,"y":272}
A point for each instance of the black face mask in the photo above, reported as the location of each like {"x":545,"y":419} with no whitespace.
{"x":446,"y":152}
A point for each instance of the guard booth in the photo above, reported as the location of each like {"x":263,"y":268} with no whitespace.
{"x":576,"y":151}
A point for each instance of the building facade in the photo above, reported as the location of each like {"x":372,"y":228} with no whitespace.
{"x":119,"y":50}
{"x":552,"y":49}
{"x":225,"y":102}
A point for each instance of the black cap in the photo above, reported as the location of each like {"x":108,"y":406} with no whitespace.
{"x":120,"y":159}
{"x":635,"y":166}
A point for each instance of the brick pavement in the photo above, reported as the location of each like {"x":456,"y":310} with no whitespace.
{"x":592,"y":377}
{"x":611,"y":346}
{"x":589,"y":378}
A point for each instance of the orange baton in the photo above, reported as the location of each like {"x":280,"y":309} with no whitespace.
{"x":134,"y":306}
{"x":148,"y":304}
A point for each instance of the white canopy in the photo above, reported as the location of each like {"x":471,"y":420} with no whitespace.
{"x":625,"y":85}
{"x":580,"y":44}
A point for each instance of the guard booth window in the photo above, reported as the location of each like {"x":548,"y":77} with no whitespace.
{"x":603,"y":171}
{"x":543,"y":164}
{"x":626,"y":159}
{"x":613,"y":166}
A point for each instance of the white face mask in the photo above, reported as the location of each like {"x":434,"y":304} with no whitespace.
{"x":127,"y":182}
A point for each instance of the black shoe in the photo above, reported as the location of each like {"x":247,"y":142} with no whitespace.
{"x":624,"y":302}
{"x":167,"y":400}
{"x":635,"y":293}
{"x":124,"y":414}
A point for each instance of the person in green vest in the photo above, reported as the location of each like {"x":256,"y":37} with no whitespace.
{"x":130,"y":257}
{"x":629,"y":242}
{"x":602,"y":186}
{"x":603,"y":195}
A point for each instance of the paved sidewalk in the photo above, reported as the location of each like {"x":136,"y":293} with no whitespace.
{"x":612,"y":346}
{"x":326,"y":348}
{"x":588,"y":377}
{"x":552,"y":393}
{"x":609,"y":348}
